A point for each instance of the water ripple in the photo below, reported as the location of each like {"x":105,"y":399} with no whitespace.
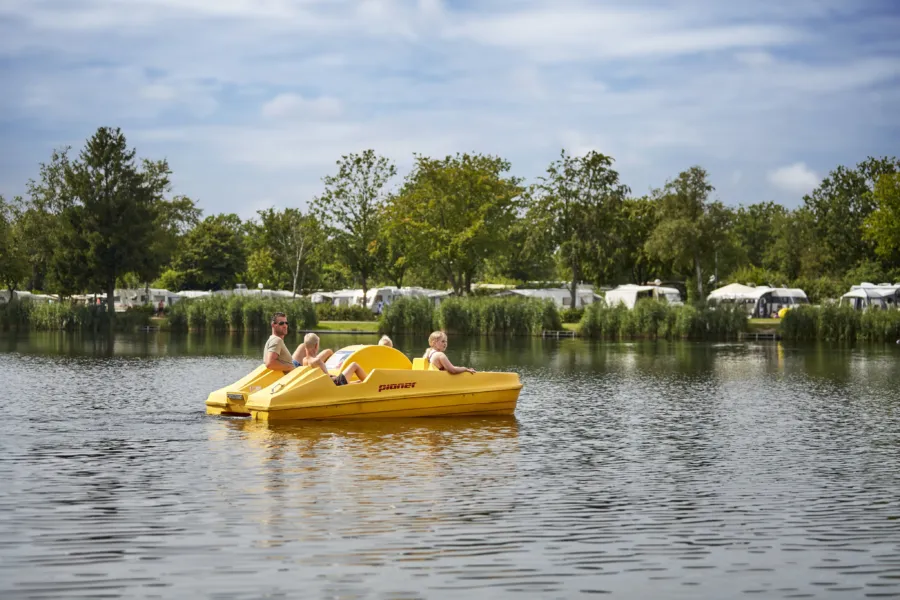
{"x":635,"y":470}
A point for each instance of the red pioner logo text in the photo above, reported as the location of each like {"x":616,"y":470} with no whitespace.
{"x":396,"y":386}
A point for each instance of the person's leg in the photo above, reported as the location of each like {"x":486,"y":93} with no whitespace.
{"x":354,"y":369}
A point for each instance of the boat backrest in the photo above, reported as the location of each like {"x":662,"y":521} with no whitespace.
{"x":368,"y":357}
{"x":419,"y":364}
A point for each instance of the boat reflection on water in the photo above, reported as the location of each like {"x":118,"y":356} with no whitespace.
{"x":433,"y":432}
{"x":314,"y":481}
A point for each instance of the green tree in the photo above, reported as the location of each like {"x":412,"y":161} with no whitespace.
{"x":396,"y":244}
{"x":170,"y":279}
{"x":350,"y":208}
{"x":294,"y":241}
{"x":261,"y":268}
{"x":212,"y":253}
{"x":839,"y":208}
{"x":639,"y":221}
{"x":335,"y":275}
{"x":579,"y":203}
{"x":882,"y":226}
{"x":782,"y":253}
{"x":13,"y":262}
{"x":459,"y":210}
{"x":526,"y":255}
{"x":40,"y":225}
{"x":174,"y":218}
{"x":755,"y":228}
{"x":109,"y":215}
{"x":870,"y":271}
{"x":691,"y":228}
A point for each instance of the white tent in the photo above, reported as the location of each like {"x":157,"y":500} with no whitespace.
{"x":630,"y":293}
{"x":24,"y":295}
{"x":736,"y":292}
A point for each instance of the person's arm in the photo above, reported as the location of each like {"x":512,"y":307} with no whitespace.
{"x":273,"y":361}
{"x":315,"y":361}
{"x":276,"y":364}
{"x":448,"y":366}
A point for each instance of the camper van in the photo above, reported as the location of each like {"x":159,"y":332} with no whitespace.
{"x":561,"y":296}
{"x":760,"y":302}
{"x":868,"y":296}
{"x":378,"y":298}
{"x":629,"y":294}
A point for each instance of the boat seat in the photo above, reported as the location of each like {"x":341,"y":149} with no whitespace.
{"x":420,"y":364}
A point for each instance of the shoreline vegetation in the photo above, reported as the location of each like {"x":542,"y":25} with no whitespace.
{"x":450,"y":223}
{"x":468,"y":316}
{"x":105,"y":219}
{"x":832,"y":323}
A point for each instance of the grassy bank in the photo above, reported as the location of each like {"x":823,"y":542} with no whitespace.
{"x":761,"y":325}
{"x":470,"y":316}
{"x":652,"y":319}
{"x":832,"y":323}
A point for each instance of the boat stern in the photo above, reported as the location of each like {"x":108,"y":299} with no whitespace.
{"x":231,"y":400}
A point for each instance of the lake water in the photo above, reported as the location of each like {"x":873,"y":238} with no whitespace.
{"x":632,"y":470}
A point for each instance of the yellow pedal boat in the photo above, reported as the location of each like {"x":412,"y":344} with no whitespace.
{"x":394,"y":387}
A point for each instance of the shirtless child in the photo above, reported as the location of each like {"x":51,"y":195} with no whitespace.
{"x":311,"y":357}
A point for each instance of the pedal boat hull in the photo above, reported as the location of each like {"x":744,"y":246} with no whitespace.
{"x":394,"y":387}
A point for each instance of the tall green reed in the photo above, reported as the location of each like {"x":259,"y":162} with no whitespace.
{"x":473,"y":315}
{"x":410,"y":315}
{"x":656,"y":319}
{"x":239,"y":313}
{"x":833,"y":323}
{"x":48,"y":316}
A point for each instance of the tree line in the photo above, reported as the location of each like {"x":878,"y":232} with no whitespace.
{"x":104,"y":219}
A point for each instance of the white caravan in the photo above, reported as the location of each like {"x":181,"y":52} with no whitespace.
{"x":630,"y":293}
{"x":561,"y":297}
{"x":759,"y":301}
{"x":868,"y":295}
{"x":378,"y":298}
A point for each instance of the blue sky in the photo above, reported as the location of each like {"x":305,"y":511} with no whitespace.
{"x":253,"y":101}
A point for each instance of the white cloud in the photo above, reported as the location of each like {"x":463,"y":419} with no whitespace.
{"x":295,"y":106}
{"x":796,"y":178}
{"x":104,"y":93}
{"x":755,"y":59}
{"x":241,"y":91}
{"x":557,"y":34}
